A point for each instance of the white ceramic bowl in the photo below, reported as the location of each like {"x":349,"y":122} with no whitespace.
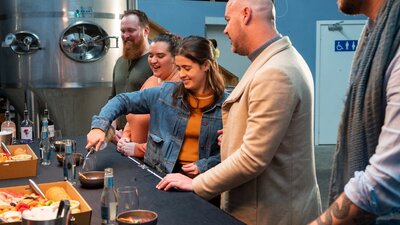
{"x":22,"y":157}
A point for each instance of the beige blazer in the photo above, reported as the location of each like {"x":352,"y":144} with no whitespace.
{"x":267,"y":174}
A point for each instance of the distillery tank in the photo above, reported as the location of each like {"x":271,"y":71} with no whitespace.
{"x":60,"y":54}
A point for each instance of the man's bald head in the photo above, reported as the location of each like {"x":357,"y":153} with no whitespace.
{"x":250,"y":23}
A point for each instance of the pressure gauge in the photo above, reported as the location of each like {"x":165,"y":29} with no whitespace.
{"x":10,"y":39}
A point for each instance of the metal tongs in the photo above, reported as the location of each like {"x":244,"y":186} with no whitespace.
{"x":36,"y":188}
{"x":63,"y":211}
{"x":5,"y":148}
{"x":91,"y":150}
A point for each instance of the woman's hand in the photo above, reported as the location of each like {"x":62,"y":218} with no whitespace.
{"x":177,"y":181}
{"x":121,"y":142}
{"x":117,"y":136}
{"x":126,"y":147}
{"x":220,"y":132}
{"x":191,"y":170}
{"x":95,"y":138}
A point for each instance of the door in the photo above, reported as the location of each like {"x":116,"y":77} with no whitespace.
{"x":336,"y":44}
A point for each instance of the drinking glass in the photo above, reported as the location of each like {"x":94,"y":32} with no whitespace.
{"x":57,"y":135}
{"x":88,"y":164}
{"x":128,"y":199}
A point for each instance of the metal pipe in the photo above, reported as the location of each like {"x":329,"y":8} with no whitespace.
{"x":131,"y":4}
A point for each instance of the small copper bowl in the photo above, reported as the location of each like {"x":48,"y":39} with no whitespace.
{"x":92,"y":179}
{"x":77,"y":156}
{"x":143,"y":217}
{"x":59,"y":146}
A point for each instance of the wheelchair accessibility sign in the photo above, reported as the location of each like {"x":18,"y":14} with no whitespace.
{"x":345,"y":45}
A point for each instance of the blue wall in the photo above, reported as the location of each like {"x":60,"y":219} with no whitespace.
{"x":182,"y":17}
{"x":297,"y":19}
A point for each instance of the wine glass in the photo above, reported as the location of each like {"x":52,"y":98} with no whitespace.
{"x":128,"y":199}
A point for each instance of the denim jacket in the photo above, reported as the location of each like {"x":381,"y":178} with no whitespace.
{"x":167,"y":125}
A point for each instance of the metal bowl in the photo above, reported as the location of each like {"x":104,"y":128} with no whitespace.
{"x":6,"y":137}
{"x":77,"y":156}
{"x":143,"y":217}
{"x":59,"y":145}
{"x":92,"y":179}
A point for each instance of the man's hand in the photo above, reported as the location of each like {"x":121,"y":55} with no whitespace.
{"x":191,"y":169}
{"x":95,"y":138}
{"x":177,"y":181}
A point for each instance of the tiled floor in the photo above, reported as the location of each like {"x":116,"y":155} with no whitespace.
{"x":323,"y":161}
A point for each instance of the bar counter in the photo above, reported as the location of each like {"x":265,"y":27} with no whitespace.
{"x":172,"y":207}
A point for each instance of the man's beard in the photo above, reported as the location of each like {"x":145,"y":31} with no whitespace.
{"x":350,"y":7}
{"x":132,"y":50}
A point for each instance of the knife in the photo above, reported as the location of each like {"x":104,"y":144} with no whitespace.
{"x":36,"y":188}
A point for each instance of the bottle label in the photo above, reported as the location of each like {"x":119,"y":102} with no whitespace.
{"x":51,"y":131}
{"x":26,"y":133}
{"x":113,"y":211}
{"x":105,"y":214}
{"x":109,"y":212}
{"x":109,"y":182}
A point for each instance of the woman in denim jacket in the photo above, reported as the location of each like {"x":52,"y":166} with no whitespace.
{"x":184,"y":116}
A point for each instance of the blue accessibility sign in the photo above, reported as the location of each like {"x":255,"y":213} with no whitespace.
{"x":345,"y":45}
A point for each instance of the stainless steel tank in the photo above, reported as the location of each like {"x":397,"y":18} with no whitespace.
{"x":60,"y":53}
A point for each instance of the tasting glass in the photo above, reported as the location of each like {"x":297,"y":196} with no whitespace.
{"x":128,"y":199}
{"x":88,"y":164}
{"x":57,"y":135}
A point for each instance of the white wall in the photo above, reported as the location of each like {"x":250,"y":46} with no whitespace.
{"x":235,"y":63}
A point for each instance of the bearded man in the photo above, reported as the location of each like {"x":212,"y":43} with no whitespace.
{"x":131,"y":70}
{"x":365,"y":181}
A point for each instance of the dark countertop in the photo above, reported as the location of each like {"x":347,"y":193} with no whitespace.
{"x":172,"y":207}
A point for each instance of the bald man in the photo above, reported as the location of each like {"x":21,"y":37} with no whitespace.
{"x":267,"y":174}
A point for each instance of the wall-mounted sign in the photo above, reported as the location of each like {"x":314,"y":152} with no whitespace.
{"x":345,"y":45}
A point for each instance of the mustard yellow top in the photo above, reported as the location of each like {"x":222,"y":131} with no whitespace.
{"x":190,"y":147}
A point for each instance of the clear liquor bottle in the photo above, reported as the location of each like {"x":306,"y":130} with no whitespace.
{"x":26,"y":129}
{"x":44,"y":145}
{"x":9,"y":126}
{"x":108,"y":200}
{"x":69,"y":163}
{"x":50,"y":126}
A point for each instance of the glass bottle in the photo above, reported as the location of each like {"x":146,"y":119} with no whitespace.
{"x":108,"y":199}
{"x":44,"y":145}
{"x":50,"y":124}
{"x":69,"y":165}
{"x":26,"y":129}
{"x":9,"y":126}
